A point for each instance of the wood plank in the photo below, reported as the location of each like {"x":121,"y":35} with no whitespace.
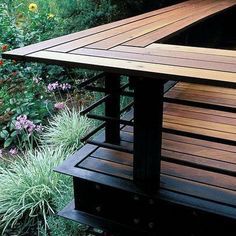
{"x":213,"y":94}
{"x":211,"y":125}
{"x":163,"y":60}
{"x":198,"y":175}
{"x":66,"y":38}
{"x":200,"y":116}
{"x":167,"y":19}
{"x":190,"y":109}
{"x":197,"y":152}
{"x":207,"y":98}
{"x":114,"y":156}
{"x":199,"y":142}
{"x":136,"y":68}
{"x":217,"y":57}
{"x":189,"y":49}
{"x":119,"y":31}
{"x":205,"y":151}
{"x":205,"y":88}
{"x":172,"y":169}
{"x":199,"y":131}
{"x":178,"y":26}
{"x":198,"y":190}
{"x":107,"y":167}
{"x":199,"y":162}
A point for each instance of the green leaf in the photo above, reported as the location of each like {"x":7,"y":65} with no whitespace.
{"x":13,"y":134}
{"x":4,"y":134}
{"x":8,"y":142}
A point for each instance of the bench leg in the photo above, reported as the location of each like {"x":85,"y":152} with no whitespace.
{"x":112,"y":108}
{"x":148,"y":116}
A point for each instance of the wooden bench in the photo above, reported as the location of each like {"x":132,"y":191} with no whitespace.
{"x":192,"y":148}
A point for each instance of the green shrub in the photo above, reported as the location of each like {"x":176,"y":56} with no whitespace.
{"x":28,"y":187}
{"x":58,"y":226}
{"x":65,"y":129}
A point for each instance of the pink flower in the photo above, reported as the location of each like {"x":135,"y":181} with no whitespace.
{"x":39,"y":128}
{"x":53,"y":86}
{"x":59,"y":105}
{"x":22,"y":122}
{"x":13,"y":151}
{"x":65,"y":86}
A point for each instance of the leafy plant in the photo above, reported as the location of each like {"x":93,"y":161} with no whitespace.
{"x":58,"y":226}
{"x":65,"y":129}
{"x":28,"y":187}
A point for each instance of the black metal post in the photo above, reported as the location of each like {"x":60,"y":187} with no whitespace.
{"x":112,"y":108}
{"x":148,"y":115}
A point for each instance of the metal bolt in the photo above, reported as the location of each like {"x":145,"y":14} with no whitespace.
{"x":98,"y":187}
{"x":136,"y":197}
{"x":151,"y":201}
{"x":136,"y":221}
{"x":151,"y":225}
{"x":98,"y":208}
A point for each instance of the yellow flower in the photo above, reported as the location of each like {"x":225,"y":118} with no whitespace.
{"x":33,"y":7}
{"x":50,"y":16}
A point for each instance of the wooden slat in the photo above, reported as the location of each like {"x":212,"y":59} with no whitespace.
{"x":199,"y":131}
{"x":198,"y":175}
{"x":190,"y":109}
{"x":200,"y":116}
{"x":164,"y":60}
{"x":217,"y":57}
{"x":172,"y":169}
{"x":207,"y":98}
{"x":120,"y":31}
{"x":155,"y":47}
{"x":195,"y":151}
{"x":199,"y":142}
{"x":199,"y":162}
{"x":113,"y":155}
{"x":157,"y":35}
{"x":199,"y":191}
{"x":107,"y":167}
{"x":167,"y":19}
{"x":66,"y":38}
{"x":135,"y":68}
{"x":205,"y":88}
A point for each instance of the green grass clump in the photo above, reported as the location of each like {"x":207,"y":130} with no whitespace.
{"x":66,"y":129}
{"x":58,"y":226}
{"x":28,"y":187}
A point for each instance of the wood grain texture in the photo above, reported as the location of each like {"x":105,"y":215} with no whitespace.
{"x":136,"y":68}
{"x":74,"y":36}
{"x":164,"y":32}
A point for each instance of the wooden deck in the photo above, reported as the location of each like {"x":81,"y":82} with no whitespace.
{"x":128,"y":46}
{"x":198,"y":170}
{"x":194,"y":170}
{"x":169,"y":164}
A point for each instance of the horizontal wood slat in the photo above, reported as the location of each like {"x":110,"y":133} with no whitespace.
{"x":164,"y":32}
{"x":67,"y":38}
{"x":136,"y":68}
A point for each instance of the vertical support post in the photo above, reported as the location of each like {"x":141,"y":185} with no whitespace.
{"x":148,"y":116}
{"x":112,"y":108}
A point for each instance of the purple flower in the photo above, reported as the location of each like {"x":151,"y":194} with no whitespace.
{"x":53,"y":86}
{"x":65,"y":86}
{"x":59,"y":105}
{"x":39,"y":128}
{"x":13,"y":151}
{"x":22,"y":122}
